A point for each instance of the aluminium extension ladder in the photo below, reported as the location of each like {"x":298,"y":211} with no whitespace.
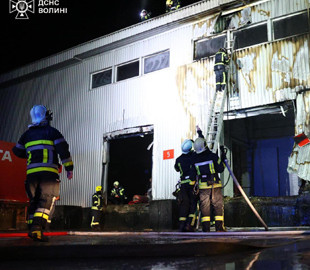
{"x":216,"y":113}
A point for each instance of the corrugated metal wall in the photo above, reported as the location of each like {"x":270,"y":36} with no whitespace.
{"x":83,"y":116}
{"x":173,"y":100}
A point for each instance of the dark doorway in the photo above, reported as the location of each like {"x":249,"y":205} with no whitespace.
{"x":131,"y":164}
{"x":261,"y":146}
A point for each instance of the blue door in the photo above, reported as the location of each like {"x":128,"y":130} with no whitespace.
{"x":270,"y":164}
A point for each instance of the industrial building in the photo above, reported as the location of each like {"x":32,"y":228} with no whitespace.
{"x":126,"y":101}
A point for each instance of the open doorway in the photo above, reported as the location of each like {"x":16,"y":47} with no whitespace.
{"x":130,"y":163}
{"x":261,"y":145}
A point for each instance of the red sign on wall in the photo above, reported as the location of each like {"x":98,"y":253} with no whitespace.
{"x":168,"y":154}
{"x":13,"y":174}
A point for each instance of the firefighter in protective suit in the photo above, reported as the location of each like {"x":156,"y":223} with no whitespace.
{"x":144,"y":15}
{"x":208,"y":165}
{"x":172,"y":5}
{"x":117,"y":194}
{"x":188,"y":201}
{"x":221,"y":61}
{"x":96,"y":209}
{"x":42,"y":145}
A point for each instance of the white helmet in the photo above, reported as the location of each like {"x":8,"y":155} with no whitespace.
{"x":200,"y":145}
{"x":116,"y":183}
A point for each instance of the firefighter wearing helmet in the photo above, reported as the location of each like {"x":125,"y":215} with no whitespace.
{"x":42,"y":146}
{"x":117,"y":194}
{"x":187,"y":200}
{"x":96,"y":209}
{"x":172,"y":5}
{"x":208,"y":165}
{"x":144,"y":15}
{"x":220,"y":63}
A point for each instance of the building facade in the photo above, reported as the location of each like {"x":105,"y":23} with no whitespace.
{"x":126,"y":101}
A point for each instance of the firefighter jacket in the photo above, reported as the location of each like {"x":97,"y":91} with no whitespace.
{"x":42,"y":145}
{"x":221,"y":59}
{"x":172,"y":5}
{"x":97,"y":201}
{"x":208,"y":165}
{"x":118,"y":192}
{"x":184,"y":165}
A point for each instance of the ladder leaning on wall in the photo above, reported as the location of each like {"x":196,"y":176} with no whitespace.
{"x":214,"y":129}
{"x":216,"y":113}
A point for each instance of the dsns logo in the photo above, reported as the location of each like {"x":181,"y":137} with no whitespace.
{"x":21,"y":7}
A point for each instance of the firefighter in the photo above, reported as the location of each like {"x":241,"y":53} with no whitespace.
{"x":96,"y":209}
{"x":221,"y":61}
{"x":117,"y":194}
{"x":186,"y":198}
{"x":144,"y":15}
{"x":188,"y":201}
{"x":172,"y":5}
{"x":208,"y":165}
{"x":42,"y":145}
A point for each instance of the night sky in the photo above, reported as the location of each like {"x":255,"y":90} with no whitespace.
{"x":44,"y":34}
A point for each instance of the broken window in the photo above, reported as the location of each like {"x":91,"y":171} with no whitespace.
{"x":251,"y":36}
{"x":208,"y":47}
{"x":156,"y":62}
{"x":222,"y":23}
{"x":127,"y":71}
{"x":233,"y":21}
{"x":290,"y":26}
{"x":101,"y":78}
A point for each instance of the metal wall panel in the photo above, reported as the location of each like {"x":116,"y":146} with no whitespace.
{"x":173,"y":100}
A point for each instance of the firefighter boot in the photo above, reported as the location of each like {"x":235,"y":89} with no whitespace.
{"x":219,"y":226}
{"x":206,"y":226}
{"x":37,"y":234}
{"x":189,"y":228}
{"x":182,"y":226}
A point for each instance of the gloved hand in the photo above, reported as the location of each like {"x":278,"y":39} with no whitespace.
{"x":198,"y":128}
{"x":196,"y":188}
{"x":69,"y":174}
{"x":223,"y":153}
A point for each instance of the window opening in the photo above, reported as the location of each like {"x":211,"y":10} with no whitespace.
{"x":127,"y":71}
{"x":208,"y":47}
{"x":101,"y":78}
{"x":290,"y":26}
{"x":251,"y":36}
{"x":156,"y":62}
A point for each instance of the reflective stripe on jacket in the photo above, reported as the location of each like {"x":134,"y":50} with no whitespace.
{"x":221,"y":59}
{"x":97,"y":201}
{"x":208,"y":165}
{"x":42,"y":145}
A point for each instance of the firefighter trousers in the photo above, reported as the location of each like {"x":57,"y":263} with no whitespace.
{"x":96,"y":218}
{"x":42,"y":190}
{"x":214,"y":197}
{"x":220,"y":78}
{"x":188,"y":206}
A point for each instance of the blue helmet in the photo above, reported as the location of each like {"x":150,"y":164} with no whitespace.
{"x":38,"y":114}
{"x":187,"y":146}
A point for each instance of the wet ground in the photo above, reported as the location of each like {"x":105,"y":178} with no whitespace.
{"x":275,"y":249}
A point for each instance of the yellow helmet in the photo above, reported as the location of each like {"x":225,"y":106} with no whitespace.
{"x":98,"y":188}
